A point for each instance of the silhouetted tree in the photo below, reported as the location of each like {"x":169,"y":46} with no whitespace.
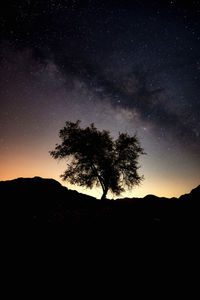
{"x":96,"y":159}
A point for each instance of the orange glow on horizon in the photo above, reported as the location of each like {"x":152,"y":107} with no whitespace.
{"x":39,"y":163}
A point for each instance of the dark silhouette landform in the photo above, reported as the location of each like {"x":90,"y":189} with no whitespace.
{"x":44,"y":201}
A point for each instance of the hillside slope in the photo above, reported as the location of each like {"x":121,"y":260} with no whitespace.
{"x":42,"y":201}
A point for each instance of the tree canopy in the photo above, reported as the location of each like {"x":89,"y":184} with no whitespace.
{"x":94,"y":158}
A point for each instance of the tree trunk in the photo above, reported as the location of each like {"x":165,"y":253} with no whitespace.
{"x":104,"y":194}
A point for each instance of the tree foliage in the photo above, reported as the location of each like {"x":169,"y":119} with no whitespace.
{"x":94,"y":158}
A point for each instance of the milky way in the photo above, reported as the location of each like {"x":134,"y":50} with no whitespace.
{"x":124,"y":66}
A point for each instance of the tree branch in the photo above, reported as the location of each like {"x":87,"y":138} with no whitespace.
{"x":96,"y":173}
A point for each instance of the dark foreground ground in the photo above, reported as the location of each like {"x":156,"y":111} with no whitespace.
{"x":45,"y":201}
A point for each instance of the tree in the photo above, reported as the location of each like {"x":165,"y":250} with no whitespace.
{"x":94,"y":158}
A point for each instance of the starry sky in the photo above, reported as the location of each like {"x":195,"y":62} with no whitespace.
{"x":127,"y":66}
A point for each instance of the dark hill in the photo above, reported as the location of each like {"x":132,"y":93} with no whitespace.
{"x":46,"y":201}
{"x":193,"y":195}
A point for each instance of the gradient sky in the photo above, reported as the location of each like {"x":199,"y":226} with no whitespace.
{"x":128,"y":66}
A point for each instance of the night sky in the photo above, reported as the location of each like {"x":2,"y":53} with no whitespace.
{"x":127,"y":66}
